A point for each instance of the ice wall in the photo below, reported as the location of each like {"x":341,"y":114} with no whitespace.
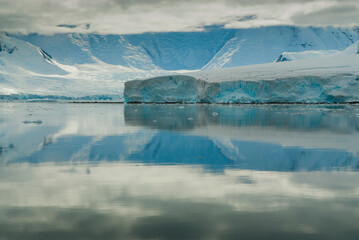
{"x":340,"y":88}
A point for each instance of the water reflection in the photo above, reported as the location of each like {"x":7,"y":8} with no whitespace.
{"x":175,"y":202}
{"x":334,"y":118}
{"x":267,"y":138}
{"x":178,"y":172}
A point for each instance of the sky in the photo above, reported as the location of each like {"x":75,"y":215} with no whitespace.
{"x":137,"y":16}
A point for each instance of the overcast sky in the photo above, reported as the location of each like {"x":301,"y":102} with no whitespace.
{"x":136,"y":16}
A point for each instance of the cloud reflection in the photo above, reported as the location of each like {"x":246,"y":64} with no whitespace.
{"x":161,"y":202}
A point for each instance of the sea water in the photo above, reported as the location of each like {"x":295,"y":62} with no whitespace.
{"x":145,"y":171}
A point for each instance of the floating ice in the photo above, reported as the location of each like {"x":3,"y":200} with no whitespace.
{"x":34,"y":122}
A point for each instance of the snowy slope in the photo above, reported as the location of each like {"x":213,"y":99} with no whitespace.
{"x":292,"y":56}
{"x":83,"y":82}
{"x":20,"y":56}
{"x":213,"y":48}
{"x":27,"y":71}
{"x":341,"y":63}
{"x":353,"y":49}
{"x":168,"y":51}
{"x":265,"y":44}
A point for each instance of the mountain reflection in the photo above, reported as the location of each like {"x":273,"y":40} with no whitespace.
{"x":178,"y":172}
{"x":266,"y":138}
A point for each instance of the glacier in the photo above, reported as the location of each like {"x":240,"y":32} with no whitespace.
{"x":333,"y":79}
{"x":342,"y":88}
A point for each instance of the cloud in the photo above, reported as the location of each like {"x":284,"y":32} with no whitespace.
{"x":335,"y":15}
{"x":136,"y":16}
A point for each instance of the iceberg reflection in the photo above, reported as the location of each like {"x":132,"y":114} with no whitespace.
{"x":178,"y":172}
{"x":266,"y":138}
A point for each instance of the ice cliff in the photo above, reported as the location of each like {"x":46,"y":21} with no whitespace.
{"x":342,"y":88}
{"x":329,"y":80}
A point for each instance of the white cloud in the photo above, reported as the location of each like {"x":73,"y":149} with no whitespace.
{"x":125,"y":16}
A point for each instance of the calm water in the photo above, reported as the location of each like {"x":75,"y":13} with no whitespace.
{"x":113,"y":171}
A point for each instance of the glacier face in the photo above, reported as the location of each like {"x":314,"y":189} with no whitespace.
{"x":168,"y":89}
{"x":214,"y":48}
{"x":302,"y":89}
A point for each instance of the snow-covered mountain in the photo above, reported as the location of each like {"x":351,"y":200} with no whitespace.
{"x":92,"y":66}
{"x":214,"y":48}
{"x":20,"y":56}
{"x":262,"y":45}
{"x":28,"y":71}
{"x":168,"y":51}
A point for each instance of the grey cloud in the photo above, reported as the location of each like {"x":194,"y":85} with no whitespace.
{"x":230,"y":2}
{"x":14,"y":21}
{"x":337,"y":15}
{"x":135,"y":16}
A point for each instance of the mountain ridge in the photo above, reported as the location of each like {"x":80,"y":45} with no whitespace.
{"x":211,"y":49}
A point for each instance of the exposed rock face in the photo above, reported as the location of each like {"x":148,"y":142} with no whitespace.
{"x":5,"y":48}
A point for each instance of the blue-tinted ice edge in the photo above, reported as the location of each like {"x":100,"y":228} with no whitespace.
{"x":50,"y":98}
{"x":341,"y":88}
